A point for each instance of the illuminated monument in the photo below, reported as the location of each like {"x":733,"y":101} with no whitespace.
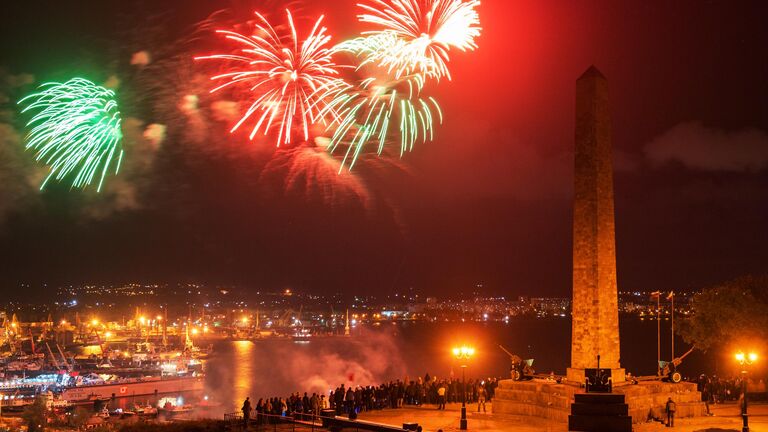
{"x":595,"y":326}
{"x":595,"y":311}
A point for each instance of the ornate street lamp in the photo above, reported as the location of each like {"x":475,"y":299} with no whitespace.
{"x":463,"y":354}
{"x":745,"y":360}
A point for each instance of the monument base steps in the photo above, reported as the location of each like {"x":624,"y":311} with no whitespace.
{"x":546,"y":399}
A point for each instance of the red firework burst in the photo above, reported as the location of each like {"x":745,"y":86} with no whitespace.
{"x":282,"y":76}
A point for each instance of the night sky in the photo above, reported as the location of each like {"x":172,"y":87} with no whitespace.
{"x":487,"y":203}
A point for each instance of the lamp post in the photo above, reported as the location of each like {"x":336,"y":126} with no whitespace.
{"x":745,"y":360}
{"x":463,"y":354}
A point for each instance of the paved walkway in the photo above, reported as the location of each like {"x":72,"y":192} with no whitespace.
{"x":726,"y":418}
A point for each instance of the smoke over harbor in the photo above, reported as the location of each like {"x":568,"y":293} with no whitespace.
{"x":278,"y":368}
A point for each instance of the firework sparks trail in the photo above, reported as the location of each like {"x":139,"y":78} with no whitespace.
{"x":416,"y":35}
{"x":368,"y":113}
{"x":76,"y":131}
{"x":284,"y":76}
{"x":311,"y":169}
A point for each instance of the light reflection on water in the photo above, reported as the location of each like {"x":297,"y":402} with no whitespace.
{"x":243,"y":369}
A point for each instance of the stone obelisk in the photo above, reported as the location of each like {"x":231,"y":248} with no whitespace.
{"x":595,"y":328}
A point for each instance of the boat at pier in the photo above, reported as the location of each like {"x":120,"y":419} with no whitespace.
{"x":73,"y":388}
{"x":18,"y":401}
{"x":131,"y":387}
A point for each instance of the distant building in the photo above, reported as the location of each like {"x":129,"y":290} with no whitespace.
{"x":551,"y":306}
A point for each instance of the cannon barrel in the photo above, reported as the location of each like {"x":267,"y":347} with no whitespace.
{"x":677,"y":360}
{"x":505,"y":350}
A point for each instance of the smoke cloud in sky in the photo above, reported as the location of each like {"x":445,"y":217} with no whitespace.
{"x":155,"y":134}
{"x":699,"y":147}
{"x":122,"y":192}
{"x":225,"y":111}
{"x":18,"y":175}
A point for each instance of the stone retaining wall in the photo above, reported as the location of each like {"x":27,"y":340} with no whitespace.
{"x":540,"y":398}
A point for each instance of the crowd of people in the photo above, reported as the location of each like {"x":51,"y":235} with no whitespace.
{"x":422,"y":391}
{"x":430,"y":390}
{"x":293,"y":405}
{"x":717,"y":390}
{"x":349,"y":400}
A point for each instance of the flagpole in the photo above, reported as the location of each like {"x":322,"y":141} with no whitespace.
{"x":657,"y":294}
{"x":672,"y":297}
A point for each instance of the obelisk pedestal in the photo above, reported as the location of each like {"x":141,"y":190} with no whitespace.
{"x":595,"y":312}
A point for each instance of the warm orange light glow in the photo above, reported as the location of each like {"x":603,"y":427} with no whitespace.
{"x":142,"y":319}
{"x":743,"y":358}
{"x":94,"y":322}
{"x":463,"y":352}
{"x":245,"y":320}
{"x":13,"y":325}
{"x":108,"y":335}
{"x":195,"y":331}
{"x":63,"y":322}
{"x":159,"y":318}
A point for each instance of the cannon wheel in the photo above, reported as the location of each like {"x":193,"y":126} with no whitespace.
{"x":675,"y":377}
{"x":516,"y":375}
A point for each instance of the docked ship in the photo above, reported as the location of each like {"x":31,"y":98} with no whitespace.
{"x":129,"y":387}
{"x":73,"y":387}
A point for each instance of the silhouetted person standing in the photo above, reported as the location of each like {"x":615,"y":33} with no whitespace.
{"x":350,"y":402}
{"x":441,"y":396}
{"x":246,"y":409}
{"x":671,"y":408}
{"x":481,"y":398}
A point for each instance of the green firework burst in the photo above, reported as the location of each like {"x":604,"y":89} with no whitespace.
{"x":372,"y":111}
{"x":75,"y":131}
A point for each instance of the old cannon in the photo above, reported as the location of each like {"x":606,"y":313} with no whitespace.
{"x":520,"y":369}
{"x":669,"y":369}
